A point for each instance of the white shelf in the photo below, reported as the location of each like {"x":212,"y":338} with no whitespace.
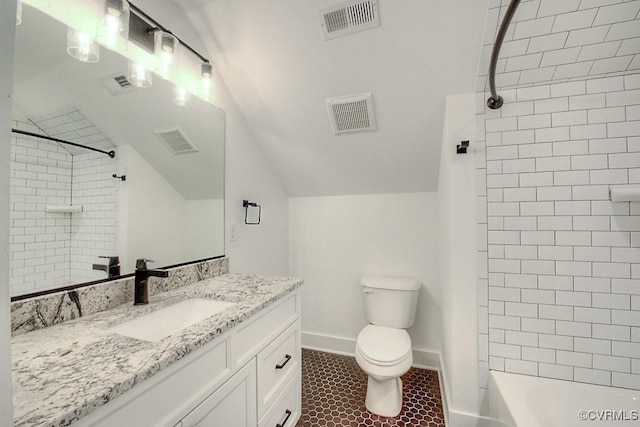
{"x":625,"y":193}
{"x":63,"y":209}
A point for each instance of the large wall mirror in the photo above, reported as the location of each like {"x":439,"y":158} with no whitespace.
{"x":71,"y":206}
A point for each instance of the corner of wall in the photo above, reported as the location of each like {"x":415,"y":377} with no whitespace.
{"x":7,"y":33}
{"x":457,"y":247}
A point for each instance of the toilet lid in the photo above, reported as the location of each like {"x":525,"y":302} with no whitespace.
{"x":382,"y":344}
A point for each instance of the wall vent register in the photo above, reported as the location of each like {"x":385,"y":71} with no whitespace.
{"x":348,"y":17}
{"x":352,"y":113}
{"x":118,"y":84}
{"x":176,"y":140}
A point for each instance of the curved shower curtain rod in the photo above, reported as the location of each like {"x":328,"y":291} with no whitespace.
{"x":495,"y":101}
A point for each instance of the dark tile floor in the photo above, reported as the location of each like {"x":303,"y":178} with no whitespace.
{"x":334,"y":388}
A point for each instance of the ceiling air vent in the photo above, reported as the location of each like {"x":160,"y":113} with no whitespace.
{"x":118,"y":84}
{"x":348,"y":17}
{"x":176,"y":140}
{"x":353,"y":113}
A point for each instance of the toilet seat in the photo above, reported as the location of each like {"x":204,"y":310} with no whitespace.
{"x":382,"y":346}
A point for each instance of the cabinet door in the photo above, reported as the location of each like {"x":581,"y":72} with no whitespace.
{"x":277,"y":364}
{"x":232,"y":405}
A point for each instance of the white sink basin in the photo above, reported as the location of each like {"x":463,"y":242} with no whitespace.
{"x":167,"y":321}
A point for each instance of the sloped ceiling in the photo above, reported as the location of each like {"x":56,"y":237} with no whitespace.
{"x":272,"y":56}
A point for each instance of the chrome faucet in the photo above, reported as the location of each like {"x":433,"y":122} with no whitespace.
{"x":141,"y":289}
{"x":112,"y":268}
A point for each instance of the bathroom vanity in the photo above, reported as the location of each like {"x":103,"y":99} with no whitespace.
{"x":238,"y":367}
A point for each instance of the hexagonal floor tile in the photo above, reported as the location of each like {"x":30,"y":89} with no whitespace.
{"x":334,"y":388}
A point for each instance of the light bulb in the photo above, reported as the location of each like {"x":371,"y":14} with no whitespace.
{"x":82,"y":47}
{"x":112,"y":27}
{"x":207,"y":75}
{"x":181,"y":97}
{"x":113,"y":30}
{"x":139,"y":75}
{"x":165,"y":46}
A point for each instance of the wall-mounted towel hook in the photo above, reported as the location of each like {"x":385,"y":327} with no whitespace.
{"x":462,"y":147}
{"x":121,"y":177}
{"x":246,"y":205}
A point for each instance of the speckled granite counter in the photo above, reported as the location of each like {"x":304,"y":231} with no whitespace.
{"x":63,"y":372}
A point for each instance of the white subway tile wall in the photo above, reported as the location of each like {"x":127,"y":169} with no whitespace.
{"x":563,"y":261}
{"x":40,"y":242}
{"x":94,"y":233}
{"x":58,"y":249}
{"x":552,"y":40}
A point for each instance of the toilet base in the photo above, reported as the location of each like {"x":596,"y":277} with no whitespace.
{"x":384,"y":398}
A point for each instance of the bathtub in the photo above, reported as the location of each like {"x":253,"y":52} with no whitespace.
{"x":525,"y":401}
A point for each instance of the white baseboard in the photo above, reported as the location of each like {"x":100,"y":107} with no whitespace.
{"x":455,"y":418}
{"x":425,"y":359}
{"x":329,"y":343}
{"x":463,"y":419}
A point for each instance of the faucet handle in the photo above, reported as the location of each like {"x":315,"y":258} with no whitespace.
{"x":113,"y":260}
{"x":141,"y":263}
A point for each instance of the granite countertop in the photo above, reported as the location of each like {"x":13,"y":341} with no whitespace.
{"x":64,"y":372}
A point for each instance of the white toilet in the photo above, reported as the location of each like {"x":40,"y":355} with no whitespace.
{"x":383,"y":349}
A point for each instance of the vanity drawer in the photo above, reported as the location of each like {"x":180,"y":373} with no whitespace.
{"x":277,"y":364}
{"x":286,"y":410}
{"x":249,"y":339}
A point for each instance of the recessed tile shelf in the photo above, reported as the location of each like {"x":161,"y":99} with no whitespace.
{"x":63,"y":209}
{"x":625,"y":193}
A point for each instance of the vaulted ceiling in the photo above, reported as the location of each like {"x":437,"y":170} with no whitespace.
{"x":279,"y":69}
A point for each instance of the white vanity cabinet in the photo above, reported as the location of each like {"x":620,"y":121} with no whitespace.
{"x":249,"y":376}
{"x":233,"y":404}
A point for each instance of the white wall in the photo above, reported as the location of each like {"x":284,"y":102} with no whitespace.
{"x":457,"y":262}
{"x":264,"y":248}
{"x":336,"y":240}
{"x":198,"y":217}
{"x":258,"y":249}
{"x":7,"y":32}
{"x":156,"y":222}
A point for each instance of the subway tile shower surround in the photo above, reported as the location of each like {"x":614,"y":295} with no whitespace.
{"x":563,"y":296}
{"x":559,"y":264}
{"x":40,"y":243}
{"x":551,"y":40}
{"x":57,"y":249}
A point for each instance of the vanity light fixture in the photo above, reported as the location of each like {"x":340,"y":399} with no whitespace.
{"x":181,"y":96}
{"x":82,"y":47}
{"x":113,"y":30}
{"x":139,"y":75}
{"x":165,"y":47}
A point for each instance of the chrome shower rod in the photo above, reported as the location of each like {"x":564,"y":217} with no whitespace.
{"x":495,"y":101}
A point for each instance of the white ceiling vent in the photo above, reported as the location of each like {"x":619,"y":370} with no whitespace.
{"x":176,"y":140}
{"x":353,"y":113}
{"x":118,"y":84}
{"x":348,"y":17}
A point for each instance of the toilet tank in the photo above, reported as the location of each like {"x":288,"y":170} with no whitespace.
{"x":390,"y":301}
